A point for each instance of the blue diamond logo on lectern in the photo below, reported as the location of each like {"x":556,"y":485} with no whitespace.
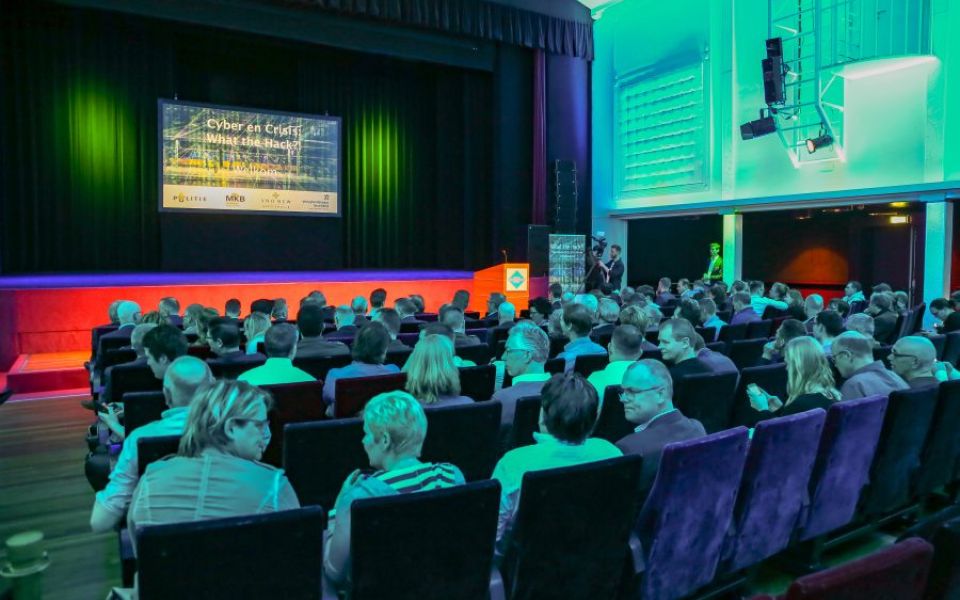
{"x":517,"y":279}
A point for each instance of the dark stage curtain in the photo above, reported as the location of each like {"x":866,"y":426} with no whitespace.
{"x":476,"y":18}
{"x":79,"y":133}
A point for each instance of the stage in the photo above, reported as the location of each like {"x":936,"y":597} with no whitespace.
{"x":53,"y":314}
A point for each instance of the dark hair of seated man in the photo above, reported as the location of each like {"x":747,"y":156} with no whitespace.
{"x":569,"y":406}
{"x":165,"y":341}
{"x":390,"y":319}
{"x":228,"y":334}
{"x":280,"y":340}
{"x":370,"y":345}
{"x":578,"y":319}
{"x":310,"y":320}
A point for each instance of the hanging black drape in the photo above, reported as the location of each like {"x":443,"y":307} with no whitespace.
{"x":79,"y":166}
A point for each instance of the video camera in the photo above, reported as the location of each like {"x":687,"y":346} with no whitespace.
{"x":601,"y":244}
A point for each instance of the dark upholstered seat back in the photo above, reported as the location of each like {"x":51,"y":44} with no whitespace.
{"x":467,"y":436}
{"x":586,"y":364}
{"x":150,"y":449}
{"x":292,"y":403}
{"x":231,"y":369}
{"x":941,"y":452}
{"x":133,"y":377}
{"x":612,"y":424}
{"x":478,"y":382}
{"x":770,"y":378}
{"x":746,"y":353}
{"x":140,"y":408}
{"x":319,"y":366}
{"x":759,"y":329}
{"x":526,"y":421}
{"x":707,"y":398}
{"x":353,"y":394}
{"x":318,"y":456}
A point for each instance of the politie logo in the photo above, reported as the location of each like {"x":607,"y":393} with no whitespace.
{"x":187,"y":199}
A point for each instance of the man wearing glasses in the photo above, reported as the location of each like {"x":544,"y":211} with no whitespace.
{"x":914,"y":358}
{"x":648,"y":402}
{"x":853,"y":357}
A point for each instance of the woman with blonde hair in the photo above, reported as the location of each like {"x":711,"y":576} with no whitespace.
{"x":432,"y":376}
{"x":191,"y":316}
{"x":810,"y":382}
{"x":204,"y":318}
{"x":255,"y":327}
{"x":216,"y":473}
{"x":638,"y":317}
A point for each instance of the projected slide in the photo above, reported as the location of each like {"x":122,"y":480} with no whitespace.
{"x":226,"y":159}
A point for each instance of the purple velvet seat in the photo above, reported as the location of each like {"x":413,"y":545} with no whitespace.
{"x":905,"y":428}
{"x":846,"y":450}
{"x":729,"y":333}
{"x":746,"y":353}
{"x":231,"y":369}
{"x":140,"y":408}
{"x":774,"y":487}
{"x":292,"y":403}
{"x":707,"y":398}
{"x":941,"y":453}
{"x":951,"y":349}
{"x":612,"y":424}
{"x":770,"y":378}
{"x":687,"y":515}
{"x":760,"y":329}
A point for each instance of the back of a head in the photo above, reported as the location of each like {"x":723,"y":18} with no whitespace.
{"x":741,"y":299}
{"x":779,"y":290}
{"x":791,"y":328}
{"x":881,"y":300}
{"x":857,"y":344}
{"x":664,"y":283}
{"x":541,"y":305}
{"x":578,"y":318}
{"x":418,"y":303}
{"x":128,"y":312}
{"x":359,"y":305}
{"x":507,"y":311}
{"x":431,"y":372}
{"x":169,"y":306}
{"x":739,"y":286}
{"x":370,"y":345}
{"x":756,"y":287}
{"x":533,"y":340}
{"x":690,"y":310}
{"x":708,"y":308}
{"x":310,"y":320}
{"x":862,"y":323}
{"x":378,"y":297}
{"x":213,"y":407}
{"x":814,"y":302}
{"x":165,"y":341}
{"x":628,"y":342}
{"x":390,"y":319}
{"x":461,"y":299}
{"x":437,"y":329}
{"x":495,"y":300}
{"x":137,"y":335}
{"x":405,"y":307}
{"x":280,"y":340}
{"x":636,"y":316}
{"x":399,"y":416}
{"x":279,"y":310}
{"x":609,"y":311}
{"x":680,"y":328}
{"x":588,"y":300}
{"x":183,"y":378}
{"x":831,"y":321}
{"x":556,"y":290}
{"x":262,"y":305}
{"x":112,"y":311}
{"x":569,"y":407}
{"x":807,"y":367}
{"x":452,"y":317}
{"x":882,"y":287}
{"x":232,"y":308}
{"x":939,"y":304}
{"x":228,"y":334}
{"x":345,"y":315}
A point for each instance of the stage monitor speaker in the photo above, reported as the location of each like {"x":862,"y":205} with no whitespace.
{"x":538,"y":250}
{"x":565,"y":196}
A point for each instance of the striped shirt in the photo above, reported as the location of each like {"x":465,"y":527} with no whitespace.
{"x":421,"y":477}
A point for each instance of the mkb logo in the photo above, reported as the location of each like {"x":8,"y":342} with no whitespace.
{"x":183,"y":198}
{"x":235,"y":199}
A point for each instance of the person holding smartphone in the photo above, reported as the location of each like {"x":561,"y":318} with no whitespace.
{"x":810,"y":382}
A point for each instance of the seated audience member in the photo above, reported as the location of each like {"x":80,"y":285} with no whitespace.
{"x":913,"y":358}
{"x":777,"y":299}
{"x":378,"y":299}
{"x":136,"y":342}
{"x":444,"y":331}
{"x":204,"y":319}
{"x":884,"y":319}
{"x":827,"y":326}
{"x":263,"y":306}
{"x":224,"y":340}
{"x":742,"y":310}
{"x":608,"y":313}
{"x":881,"y":288}
{"x":406,"y":309}
{"x":452,"y":317}
{"x":944,"y":311}
{"x":369,"y":352}
{"x":281,"y":346}
{"x":169,"y":309}
{"x":838,"y":306}
{"x":809,"y":382}
{"x":862,"y":323}
{"x":684,"y":288}
{"x":773,"y":350}
{"x":506,"y":316}
{"x":390,"y":319}
{"x":231,"y":309}
{"x":625,"y":348}
{"x":540,"y":310}
{"x":191,"y":316}
{"x":279,"y":312}
{"x":312,"y":344}
{"x":795,"y":306}
{"x":345,"y":320}
{"x":716,"y":361}
{"x":524,"y":355}
{"x":688,"y":309}
{"x":180,"y":382}
{"x":708,"y":314}
{"x":432,"y":375}
{"x":568,"y":412}
{"x":901,"y":302}
{"x":418,"y":303}
{"x":664,"y":295}
{"x":677,"y":346}
{"x":577,"y":323}
{"x":128,"y":314}
{"x":638,"y":317}
{"x":394,"y":428}
{"x":461,"y":300}
{"x":318,"y":298}
{"x":853,"y":357}
{"x":556,"y":296}
{"x":853,"y":292}
{"x":162,"y":345}
{"x":113,"y":317}
{"x":493,"y":305}
{"x":216,"y":473}
{"x":359,"y":307}
{"x":718,"y":293}
{"x":812,"y":307}
{"x":591,"y":302}
{"x":255,"y":327}
{"x":647,"y":399}
{"x":153,"y":317}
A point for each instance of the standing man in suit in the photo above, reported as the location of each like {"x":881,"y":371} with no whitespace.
{"x":714,"y":270}
{"x":615,"y":268}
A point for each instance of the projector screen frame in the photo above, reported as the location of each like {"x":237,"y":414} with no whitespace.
{"x":261,"y":213}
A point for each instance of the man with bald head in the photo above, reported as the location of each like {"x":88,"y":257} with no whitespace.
{"x":913,"y":358}
{"x":647,"y":399}
{"x":853,"y":356}
{"x":181,"y":380}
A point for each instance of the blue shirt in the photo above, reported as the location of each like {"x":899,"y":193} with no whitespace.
{"x":715,"y":322}
{"x":579,"y":347}
{"x":354,"y":369}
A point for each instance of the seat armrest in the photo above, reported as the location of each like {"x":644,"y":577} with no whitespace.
{"x":496,"y":585}
{"x":635,"y":555}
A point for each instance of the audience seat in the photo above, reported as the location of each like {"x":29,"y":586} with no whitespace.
{"x":746,"y":353}
{"x":770,"y":378}
{"x":479,"y":354}
{"x":426,"y":317}
{"x":612,"y":424}
{"x":951,"y":348}
{"x":941,"y":451}
{"x":95,"y":334}
{"x":944,"y":580}
{"x":318,"y":456}
{"x":319,"y":366}
{"x":759,"y":329}
{"x":882,"y":353}
{"x":729,"y":333}
{"x":292,"y":403}
{"x":410,"y":327}
{"x":409,"y":339}
{"x":709,"y":334}
{"x":686,"y":517}
{"x":467,"y":436}
{"x":771,"y":312}
{"x":656,"y":354}
{"x":116,"y":356}
{"x":526,"y":421}
{"x":432,"y":545}
{"x":353,"y":394}
{"x":939,"y":342}
{"x":588,"y":363}
{"x":278,"y":555}
{"x":478,"y":382}
{"x":202,"y":352}
{"x":133,"y":378}
{"x":154,"y":448}
{"x":106,"y":344}
{"x":140,"y":408}
{"x":557,"y":344}
{"x":568,"y":540}
{"x":471,"y":314}
{"x":707,"y":398}
{"x":397,"y":357}
{"x":231,"y":369}
{"x":479,"y":333}
{"x":774,"y":488}
{"x":897,"y":572}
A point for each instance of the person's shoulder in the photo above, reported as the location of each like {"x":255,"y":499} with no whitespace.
{"x":602,"y":447}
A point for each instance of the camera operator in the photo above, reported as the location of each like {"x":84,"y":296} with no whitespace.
{"x":615,"y":268}
{"x":596,"y":269}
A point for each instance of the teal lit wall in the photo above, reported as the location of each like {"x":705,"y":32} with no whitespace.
{"x":895,"y":125}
